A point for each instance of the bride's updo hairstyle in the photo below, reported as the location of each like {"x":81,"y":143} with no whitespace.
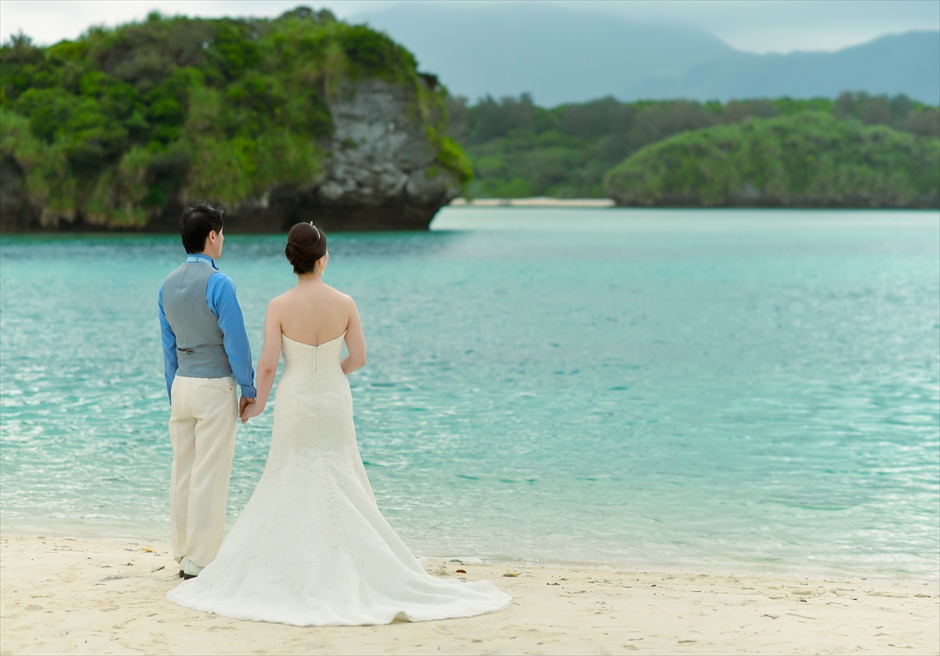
{"x":306,"y":244}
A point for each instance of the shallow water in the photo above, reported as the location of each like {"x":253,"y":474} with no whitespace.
{"x":708,"y":389}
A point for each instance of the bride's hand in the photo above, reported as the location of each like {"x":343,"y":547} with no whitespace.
{"x":251,"y":409}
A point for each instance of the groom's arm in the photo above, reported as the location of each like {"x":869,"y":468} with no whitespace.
{"x":220,"y":296}
{"x":168,"y":337}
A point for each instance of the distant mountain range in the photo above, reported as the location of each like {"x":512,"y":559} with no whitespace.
{"x":564,"y":56}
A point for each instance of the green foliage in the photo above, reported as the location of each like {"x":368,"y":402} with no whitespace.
{"x":434,"y":113}
{"x":48,"y":110}
{"x":222,"y":169}
{"x":453,"y":158}
{"x":519,"y":149}
{"x":806,"y":159}
{"x":121,"y":122}
{"x":45,"y":164}
{"x":234,"y":50}
{"x":232,"y":170}
{"x":373,"y":52}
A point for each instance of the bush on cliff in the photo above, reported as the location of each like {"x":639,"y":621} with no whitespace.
{"x":808,"y":159}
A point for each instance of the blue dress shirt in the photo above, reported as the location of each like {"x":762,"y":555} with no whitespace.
{"x":220,"y":297}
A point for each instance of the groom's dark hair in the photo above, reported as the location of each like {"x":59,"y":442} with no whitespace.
{"x":196,"y":224}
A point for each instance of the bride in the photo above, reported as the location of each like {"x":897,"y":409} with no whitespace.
{"x":311,"y":547}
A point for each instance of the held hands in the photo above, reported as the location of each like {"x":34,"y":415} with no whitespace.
{"x":248,"y":408}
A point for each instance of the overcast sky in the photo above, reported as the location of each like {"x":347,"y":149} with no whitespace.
{"x":753,"y":25}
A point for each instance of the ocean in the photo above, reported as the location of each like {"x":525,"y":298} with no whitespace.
{"x":698,"y":389}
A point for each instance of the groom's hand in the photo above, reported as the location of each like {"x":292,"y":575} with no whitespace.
{"x":252,"y":409}
{"x":242,"y":404}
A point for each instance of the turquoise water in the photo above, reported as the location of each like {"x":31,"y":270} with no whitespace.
{"x":705,"y":389}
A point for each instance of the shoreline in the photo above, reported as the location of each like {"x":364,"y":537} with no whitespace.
{"x":702,"y":566}
{"x":83,"y":595}
{"x":534,"y":201}
{"x":610,"y":203}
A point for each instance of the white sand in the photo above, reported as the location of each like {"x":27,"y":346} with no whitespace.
{"x":62,"y":595}
{"x":537,"y":201}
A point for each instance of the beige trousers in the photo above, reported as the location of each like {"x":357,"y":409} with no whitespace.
{"x":202,"y":430}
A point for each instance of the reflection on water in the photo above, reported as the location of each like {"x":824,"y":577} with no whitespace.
{"x":702,"y":389}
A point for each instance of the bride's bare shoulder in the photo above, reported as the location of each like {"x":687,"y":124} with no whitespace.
{"x":340,"y":295}
{"x":348,"y":302}
{"x":279,"y":301}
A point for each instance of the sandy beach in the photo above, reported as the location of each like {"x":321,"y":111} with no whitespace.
{"x":82,"y":596}
{"x":536,"y":201}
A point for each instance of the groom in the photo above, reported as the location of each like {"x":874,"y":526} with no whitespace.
{"x":205,"y":353}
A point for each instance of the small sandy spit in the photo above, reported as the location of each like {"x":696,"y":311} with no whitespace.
{"x":81,"y":596}
{"x":536,"y":201}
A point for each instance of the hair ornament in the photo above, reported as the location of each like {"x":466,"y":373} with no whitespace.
{"x":315,"y":229}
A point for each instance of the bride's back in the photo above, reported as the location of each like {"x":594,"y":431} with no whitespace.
{"x":311,"y":313}
{"x":314,"y":313}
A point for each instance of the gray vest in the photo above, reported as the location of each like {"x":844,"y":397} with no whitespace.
{"x":199,"y":346}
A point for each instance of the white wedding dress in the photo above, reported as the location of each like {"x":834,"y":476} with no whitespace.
{"x":311,"y":547}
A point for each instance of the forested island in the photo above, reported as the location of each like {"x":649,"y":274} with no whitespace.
{"x":298,"y":118}
{"x":810,"y":159}
{"x":305,"y":117}
{"x":585,"y":151}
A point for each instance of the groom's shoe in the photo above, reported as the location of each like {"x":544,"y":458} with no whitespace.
{"x":188,"y":569}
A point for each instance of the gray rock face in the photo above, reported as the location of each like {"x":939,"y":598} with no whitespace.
{"x":376,"y":151}
{"x":381,"y":173}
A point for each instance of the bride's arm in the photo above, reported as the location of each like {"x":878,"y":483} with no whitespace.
{"x":355,"y":342}
{"x":267,"y":364}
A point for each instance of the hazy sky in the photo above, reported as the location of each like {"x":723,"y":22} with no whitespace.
{"x":752,"y":25}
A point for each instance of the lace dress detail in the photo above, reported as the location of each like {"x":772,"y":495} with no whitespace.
{"x":311,"y":547}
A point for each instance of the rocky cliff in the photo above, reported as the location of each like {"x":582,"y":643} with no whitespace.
{"x":382,"y":172}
